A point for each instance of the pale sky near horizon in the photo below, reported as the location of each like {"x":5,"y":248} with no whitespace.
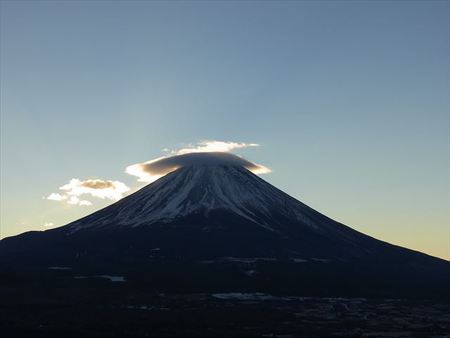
{"x":348,"y":101}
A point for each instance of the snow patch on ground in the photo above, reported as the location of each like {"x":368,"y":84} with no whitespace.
{"x":248,"y":260}
{"x":254,"y":296}
{"x":146,"y":307}
{"x":110,"y":278}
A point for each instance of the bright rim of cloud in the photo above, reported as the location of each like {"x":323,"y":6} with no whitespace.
{"x":219,"y":152}
{"x":212,"y":146}
{"x":72,"y":192}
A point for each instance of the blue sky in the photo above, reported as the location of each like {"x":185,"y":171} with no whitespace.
{"x":348,"y":100}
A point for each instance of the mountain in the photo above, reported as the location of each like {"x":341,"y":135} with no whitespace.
{"x":212,"y":214}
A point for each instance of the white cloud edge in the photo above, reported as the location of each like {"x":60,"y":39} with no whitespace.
{"x":212,"y":146}
{"x":103,"y":189}
{"x":201,"y":147}
{"x":71,"y":192}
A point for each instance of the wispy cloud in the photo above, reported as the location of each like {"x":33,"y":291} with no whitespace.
{"x":76,"y":188}
{"x":48,"y":224}
{"x":219,"y":151}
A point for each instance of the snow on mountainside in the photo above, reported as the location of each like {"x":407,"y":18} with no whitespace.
{"x":207,"y":209}
{"x":202,"y":189}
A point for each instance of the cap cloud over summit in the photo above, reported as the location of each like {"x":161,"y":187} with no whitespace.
{"x":151,"y":170}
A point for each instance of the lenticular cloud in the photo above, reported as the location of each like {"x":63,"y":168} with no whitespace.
{"x":151,"y":170}
{"x":212,"y":146}
{"x":202,"y":153}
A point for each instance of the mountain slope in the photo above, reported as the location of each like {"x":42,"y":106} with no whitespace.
{"x":205,"y":189}
{"x":219,"y":227}
{"x":208,"y":211}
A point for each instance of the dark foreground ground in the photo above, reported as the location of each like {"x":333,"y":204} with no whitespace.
{"x":99,"y":307}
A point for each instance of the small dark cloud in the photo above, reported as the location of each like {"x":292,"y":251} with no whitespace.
{"x":97,"y":184}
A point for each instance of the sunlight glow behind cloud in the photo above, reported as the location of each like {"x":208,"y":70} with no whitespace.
{"x":204,"y":152}
{"x":212,"y":146}
{"x":218,"y":153}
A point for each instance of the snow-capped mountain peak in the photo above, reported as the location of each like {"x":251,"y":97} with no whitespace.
{"x":201,"y":188}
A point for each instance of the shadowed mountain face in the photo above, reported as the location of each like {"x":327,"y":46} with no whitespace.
{"x":217,"y":213}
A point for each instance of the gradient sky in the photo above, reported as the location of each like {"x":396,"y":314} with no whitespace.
{"x":348,"y":100}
